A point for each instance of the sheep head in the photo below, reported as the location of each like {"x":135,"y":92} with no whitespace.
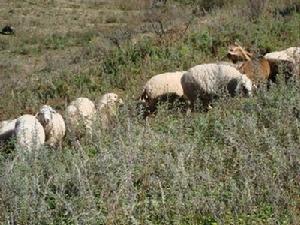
{"x":45,"y":114}
{"x":109,"y":99}
{"x":237,"y":53}
{"x":244,"y":86}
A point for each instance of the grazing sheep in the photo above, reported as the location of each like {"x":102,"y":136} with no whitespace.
{"x":288,"y":60}
{"x":257,"y":69}
{"x":208,"y":81}
{"x":166,"y":86}
{"x":29,"y":133}
{"x":107,"y":107}
{"x":54,"y":125}
{"x":7,"y":129}
{"x":291,"y":54}
{"x":80,"y":114}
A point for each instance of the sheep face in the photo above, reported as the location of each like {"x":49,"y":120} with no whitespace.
{"x":110,"y":99}
{"x":244,"y":86}
{"x":237,"y":53}
{"x":44,"y":116}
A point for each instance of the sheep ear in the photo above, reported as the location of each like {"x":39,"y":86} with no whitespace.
{"x":52,"y":111}
{"x":249,"y":54}
{"x":233,"y":53}
{"x":237,"y":44}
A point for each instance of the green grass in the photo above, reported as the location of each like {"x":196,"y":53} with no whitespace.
{"x":237,"y":164}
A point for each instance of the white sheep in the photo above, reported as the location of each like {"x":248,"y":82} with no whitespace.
{"x":211,"y":80}
{"x":80,"y":114}
{"x":7,"y":128}
{"x":162,"y":86}
{"x":54,"y":125}
{"x":290,"y":58}
{"x":29,"y":133}
{"x":107,"y":108}
{"x":291,"y":54}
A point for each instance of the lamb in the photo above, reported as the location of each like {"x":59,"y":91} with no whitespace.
{"x":29,"y":133}
{"x":54,"y":126}
{"x":80,"y":114}
{"x":107,"y":108}
{"x":257,"y":69}
{"x":7,"y":128}
{"x":208,"y":81}
{"x":161,"y":87}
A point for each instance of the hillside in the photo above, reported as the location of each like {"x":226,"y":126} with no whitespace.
{"x":239,"y":163}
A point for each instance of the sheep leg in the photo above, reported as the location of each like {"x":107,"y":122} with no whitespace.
{"x":191,"y":107}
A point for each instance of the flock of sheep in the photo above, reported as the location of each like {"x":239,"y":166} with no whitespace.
{"x":49,"y":127}
{"x":202,"y":82}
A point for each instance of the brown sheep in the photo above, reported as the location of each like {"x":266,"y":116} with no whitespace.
{"x":256,"y":68}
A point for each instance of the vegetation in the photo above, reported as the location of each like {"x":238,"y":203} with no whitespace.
{"x":237,"y":164}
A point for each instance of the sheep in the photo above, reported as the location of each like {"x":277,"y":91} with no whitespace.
{"x":257,"y":69}
{"x":7,"y":128}
{"x":208,"y":81}
{"x":291,"y":54}
{"x":106,"y":108}
{"x":288,"y":59}
{"x":80,"y":113}
{"x":166,"y":86}
{"x":29,"y":133}
{"x":54,"y":125}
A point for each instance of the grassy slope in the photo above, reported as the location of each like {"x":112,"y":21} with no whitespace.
{"x":237,"y":164}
